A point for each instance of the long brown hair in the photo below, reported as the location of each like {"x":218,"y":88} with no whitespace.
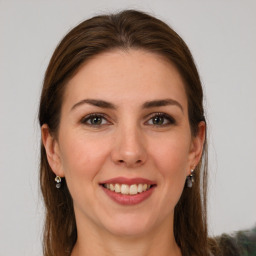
{"x":125,"y":30}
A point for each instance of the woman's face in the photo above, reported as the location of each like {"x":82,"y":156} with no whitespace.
{"x":124,"y":143}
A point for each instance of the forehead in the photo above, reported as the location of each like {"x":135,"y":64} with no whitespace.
{"x":123,"y":76}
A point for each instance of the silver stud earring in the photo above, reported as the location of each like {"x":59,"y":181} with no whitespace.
{"x":190,"y":179}
{"x":58,"y":181}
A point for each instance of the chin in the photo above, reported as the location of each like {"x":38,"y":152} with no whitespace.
{"x":131,"y":231}
{"x":129,"y":226}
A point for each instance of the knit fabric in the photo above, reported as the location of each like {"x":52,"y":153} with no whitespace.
{"x":242,"y":243}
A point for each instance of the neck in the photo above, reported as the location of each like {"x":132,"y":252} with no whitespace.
{"x":101,"y":242}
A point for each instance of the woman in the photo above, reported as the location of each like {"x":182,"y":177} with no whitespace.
{"x":124,"y":139}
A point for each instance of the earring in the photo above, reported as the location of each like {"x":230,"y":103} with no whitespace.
{"x":58,"y":181}
{"x":190,"y":179}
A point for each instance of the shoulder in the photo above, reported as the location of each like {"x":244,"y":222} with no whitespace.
{"x":242,"y":243}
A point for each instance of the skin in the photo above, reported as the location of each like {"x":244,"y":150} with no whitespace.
{"x":125,"y":143}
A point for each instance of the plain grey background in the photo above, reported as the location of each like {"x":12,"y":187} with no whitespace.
{"x":222,"y":37}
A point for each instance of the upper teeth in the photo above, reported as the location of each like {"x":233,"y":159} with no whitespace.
{"x":127,"y":189}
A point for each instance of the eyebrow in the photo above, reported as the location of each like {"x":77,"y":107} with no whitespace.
{"x":97,"y":103}
{"x":147,"y":104}
{"x":160,"y":103}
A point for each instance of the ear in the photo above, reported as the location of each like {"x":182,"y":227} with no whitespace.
{"x":52,"y":150}
{"x":197,"y":145}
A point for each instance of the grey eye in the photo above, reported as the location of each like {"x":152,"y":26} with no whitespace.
{"x":161,"y":119}
{"x":158,"y":120}
{"x":94,"y":120}
{"x":97,"y":120}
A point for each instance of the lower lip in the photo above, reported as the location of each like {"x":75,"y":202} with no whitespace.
{"x":128,"y":199}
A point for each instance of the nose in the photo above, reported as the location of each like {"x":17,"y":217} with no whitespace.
{"x":129,"y":147}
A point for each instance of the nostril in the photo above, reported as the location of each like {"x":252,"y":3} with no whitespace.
{"x":127,"y":162}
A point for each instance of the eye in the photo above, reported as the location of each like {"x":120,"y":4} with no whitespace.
{"x":161,"y":119}
{"x":95,"y":120}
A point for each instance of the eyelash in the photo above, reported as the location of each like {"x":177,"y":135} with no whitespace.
{"x":94,"y":115}
{"x":170,"y":120}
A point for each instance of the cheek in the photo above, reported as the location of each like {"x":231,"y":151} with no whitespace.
{"x":173,"y":168}
{"x":171,"y":154}
{"x":82,"y":158}
{"x":171,"y":159}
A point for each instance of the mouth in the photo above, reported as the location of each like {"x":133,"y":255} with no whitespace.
{"x":126,"y":189}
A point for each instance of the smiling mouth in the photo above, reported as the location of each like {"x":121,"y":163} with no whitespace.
{"x":126,"y":189}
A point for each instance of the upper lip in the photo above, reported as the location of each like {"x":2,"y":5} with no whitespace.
{"x":128,"y":181}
